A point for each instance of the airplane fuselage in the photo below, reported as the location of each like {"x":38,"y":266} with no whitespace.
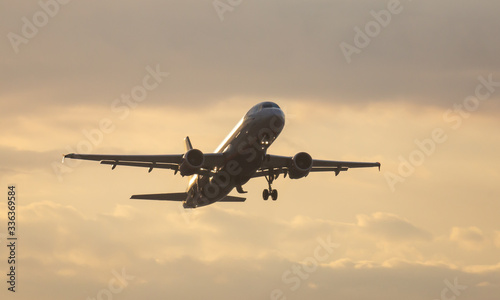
{"x":244,"y":151}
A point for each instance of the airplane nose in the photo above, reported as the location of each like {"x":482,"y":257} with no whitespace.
{"x":279,"y":119}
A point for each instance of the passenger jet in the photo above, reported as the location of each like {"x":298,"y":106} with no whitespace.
{"x":240,"y":157}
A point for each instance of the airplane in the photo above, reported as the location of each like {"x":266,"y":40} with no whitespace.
{"x":241,"y":156}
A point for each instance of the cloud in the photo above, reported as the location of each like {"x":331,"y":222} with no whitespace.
{"x":291,"y":52}
{"x":471,"y":238}
{"x":391,"y":227}
{"x":59,"y":232}
{"x":404,"y":281}
{"x":207,"y":234}
{"x":496,"y":239}
{"x":16,"y":161}
{"x":227,"y":278}
{"x":224,"y":251}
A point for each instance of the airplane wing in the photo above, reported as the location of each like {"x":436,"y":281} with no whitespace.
{"x":172,"y":162}
{"x":275,"y":164}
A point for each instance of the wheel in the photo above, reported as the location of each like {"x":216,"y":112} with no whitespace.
{"x":265,"y":194}
{"x":274,"y":195}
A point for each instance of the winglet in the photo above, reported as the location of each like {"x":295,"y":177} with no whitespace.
{"x":378,"y":166}
{"x":70,"y":155}
{"x":188,"y":145}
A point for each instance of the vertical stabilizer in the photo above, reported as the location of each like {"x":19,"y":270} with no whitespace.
{"x":188,"y":144}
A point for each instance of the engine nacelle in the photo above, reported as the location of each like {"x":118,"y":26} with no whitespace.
{"x":300,"y":166}
{"x":191,"y":162}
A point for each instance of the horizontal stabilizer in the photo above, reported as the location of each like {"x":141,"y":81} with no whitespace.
{"x":162,"y":197}
{"x":232,"y":199}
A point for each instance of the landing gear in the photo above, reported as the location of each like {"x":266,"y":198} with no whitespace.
{"x":270,"y":191}
{"x":274,"y":195}
{"x":265,"y":194}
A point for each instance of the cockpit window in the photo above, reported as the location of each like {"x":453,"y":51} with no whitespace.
{"x":261,"y":106}
{"x":269,"y":105}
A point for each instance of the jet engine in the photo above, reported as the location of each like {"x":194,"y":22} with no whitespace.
{"x":300,"y":165}
{"x":191,"y":162}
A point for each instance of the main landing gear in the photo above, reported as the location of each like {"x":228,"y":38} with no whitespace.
{"x":270,"y":191}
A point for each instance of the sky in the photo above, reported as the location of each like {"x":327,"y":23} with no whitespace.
{"x":414,"y":85}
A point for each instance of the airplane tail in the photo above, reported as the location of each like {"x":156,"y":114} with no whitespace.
{"x":232,"y":199}
{"x":188,"y":144}
{"x":180,"y":197}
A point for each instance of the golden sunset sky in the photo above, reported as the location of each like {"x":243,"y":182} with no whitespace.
{"x":414,"y":85}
